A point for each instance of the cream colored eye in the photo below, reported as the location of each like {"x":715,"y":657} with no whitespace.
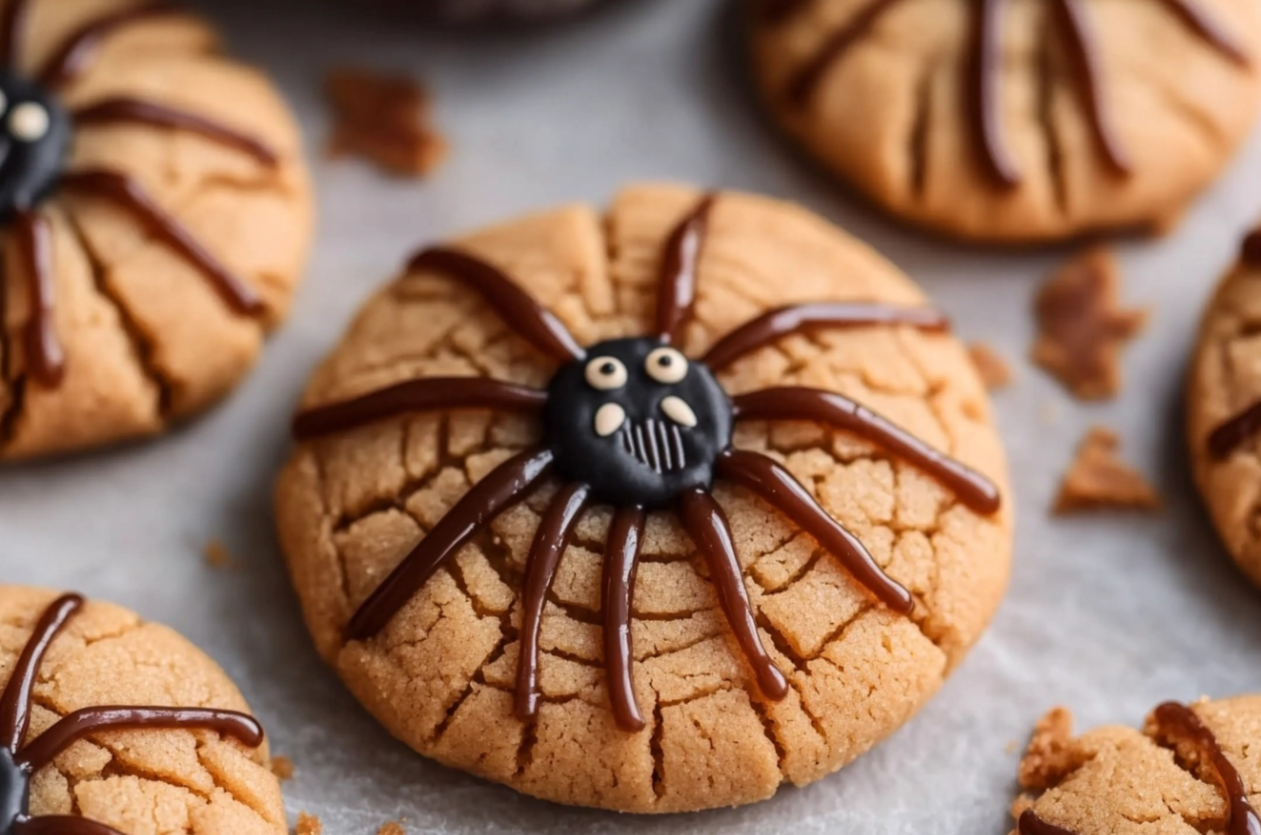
{"x":606,"y":373}
{"x":666,"y":365}
{"x":29,"y":122}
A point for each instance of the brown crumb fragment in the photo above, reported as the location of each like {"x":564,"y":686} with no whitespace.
{"x":217,"y":556}
{"x":391,"y":828}
{"x":384,"y":119}
{"x":282,"y":767}
{"x":1098,"y":480}
{"x":308,"y":825}
{"x":1081,"y":328}
{"x":994,"y":370}
{"x":1047,"y":759}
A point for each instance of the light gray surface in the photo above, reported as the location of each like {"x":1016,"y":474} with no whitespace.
{"x":1108,"y":615}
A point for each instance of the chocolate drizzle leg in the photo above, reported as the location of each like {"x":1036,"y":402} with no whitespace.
{"x":985,"y":69}
{"x":21,"y":759}
{"x":130,"y":196}
{"x":635,"y":424}
{"x":1175,"y":723}
{"x":138,"y":111}
{"x":74,"y":56}
{"x":46,"y":357}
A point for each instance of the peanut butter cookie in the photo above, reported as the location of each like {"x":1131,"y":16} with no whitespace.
{"x":113,"y":726}
{"x":1192,"y":769}
{"x":1224,"y":409}
{"x":652,"y":511}
{"x":1015,"y":120}
{"x":154,"y":219}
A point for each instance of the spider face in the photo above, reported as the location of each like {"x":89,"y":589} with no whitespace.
{"x":637,"y":421}
{"x":15,"y":790}
{"x":34,"y":142}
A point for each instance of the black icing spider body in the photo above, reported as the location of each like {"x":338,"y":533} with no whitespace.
{"x":34,"y":143}
{"x":636,"y":424}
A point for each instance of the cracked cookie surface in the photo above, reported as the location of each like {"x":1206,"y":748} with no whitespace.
{"x":143,"y":781}
{"x":1224,"y":386}
{"x":897,"y":110}
{"x":146,"y":338}
{"x":1118,"y":780}
{"x":440,"y":675}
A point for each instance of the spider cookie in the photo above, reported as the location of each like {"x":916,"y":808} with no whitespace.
{"x":1188,"y":771}
{"x":1015,"y":120}
{"x":652,"y":511}
{"x":113,"y":726}
{"x":154,"y":219}
{"x":1224,"y":408}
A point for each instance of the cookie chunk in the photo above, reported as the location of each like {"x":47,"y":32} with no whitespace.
{"x":1189,"y":770}
{"x":1015,"y":120}
{"x":1224,"y":408}
{"x":155,"y":216}
{"x":654,"y":510}
{"x":113,"y":726}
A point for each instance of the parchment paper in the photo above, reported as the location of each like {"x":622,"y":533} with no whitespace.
{"x":1108,"y":615}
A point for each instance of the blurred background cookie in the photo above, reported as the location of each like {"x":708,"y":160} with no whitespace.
{"x":1015,"y":120}
{"x":528,"y":537}
{"x":156,"y":217}
{"x":113,"y":726}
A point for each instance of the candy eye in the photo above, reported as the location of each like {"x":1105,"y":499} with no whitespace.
{"x":666,"y":365}
{"x":29,"y":122}
{"x":606,"y":373}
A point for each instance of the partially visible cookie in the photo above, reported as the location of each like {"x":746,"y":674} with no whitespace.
{"x":1015,"y":120}
{"x":654,"y":509}
{"x":1224,"y":408}
{"x":108,"y":719}
{"x":1192,"y":769}
{"x":155,"y":216}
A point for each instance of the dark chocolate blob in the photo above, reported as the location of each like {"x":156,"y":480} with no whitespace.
{"x":650,"y":459}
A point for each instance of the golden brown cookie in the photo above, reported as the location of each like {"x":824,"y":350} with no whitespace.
{"x":1192,"y":769}
{"x":1015,"y":120}
{"x":1224,"y":408}
{"x":684,"y":614}
{"x":155,"y":217}
{"x":120,"y":727}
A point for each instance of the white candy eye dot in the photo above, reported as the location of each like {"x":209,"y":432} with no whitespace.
{"x":666,"y":365}
{"x":29,"y":121}
{"x":606,"y":373}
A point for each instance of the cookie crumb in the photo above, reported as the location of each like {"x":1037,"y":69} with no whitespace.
{"x":282,"y":767}
{"x":308,"y":825}
{"x":217,"y":556}
{"x":994,"y":370}
{"x":391,"y":828}
{"x":1098,"y":480}
{"x":384,"y":119}
{"x":1081,"y":329}
{"x":1047,"y":757}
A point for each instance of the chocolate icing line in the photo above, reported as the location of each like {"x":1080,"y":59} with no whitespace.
{"x":553,"y":536}
{"x":1176,"y":722}
{"x":676,"y":293}
{"x":707,"y":525}
{"x":128,"y":195}
{"x":528,"y":318}
{"x":804,"y":82}
{"x":987,"y":114}
{"x":795,"y":319}
{"x":1085,"y":54}
{"x":409,"y":396}
{"x":138,"y":111}
{"x":832,"y":409}
{"x":621,"y":561}
{"x":46,"y":357}
{"x":13,"y":22}
{"x":781,"y":490}
{"x":15,"y":701}
{"x":77,"y":53}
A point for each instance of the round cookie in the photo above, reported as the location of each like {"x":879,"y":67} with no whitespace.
{"x":1015,"y":120}
{"x":108,"y":721}
{"x":657,"y":642}
{"x":155,"y":216}
{"x":1223,"y":415}
{"x":1188,"y":771}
